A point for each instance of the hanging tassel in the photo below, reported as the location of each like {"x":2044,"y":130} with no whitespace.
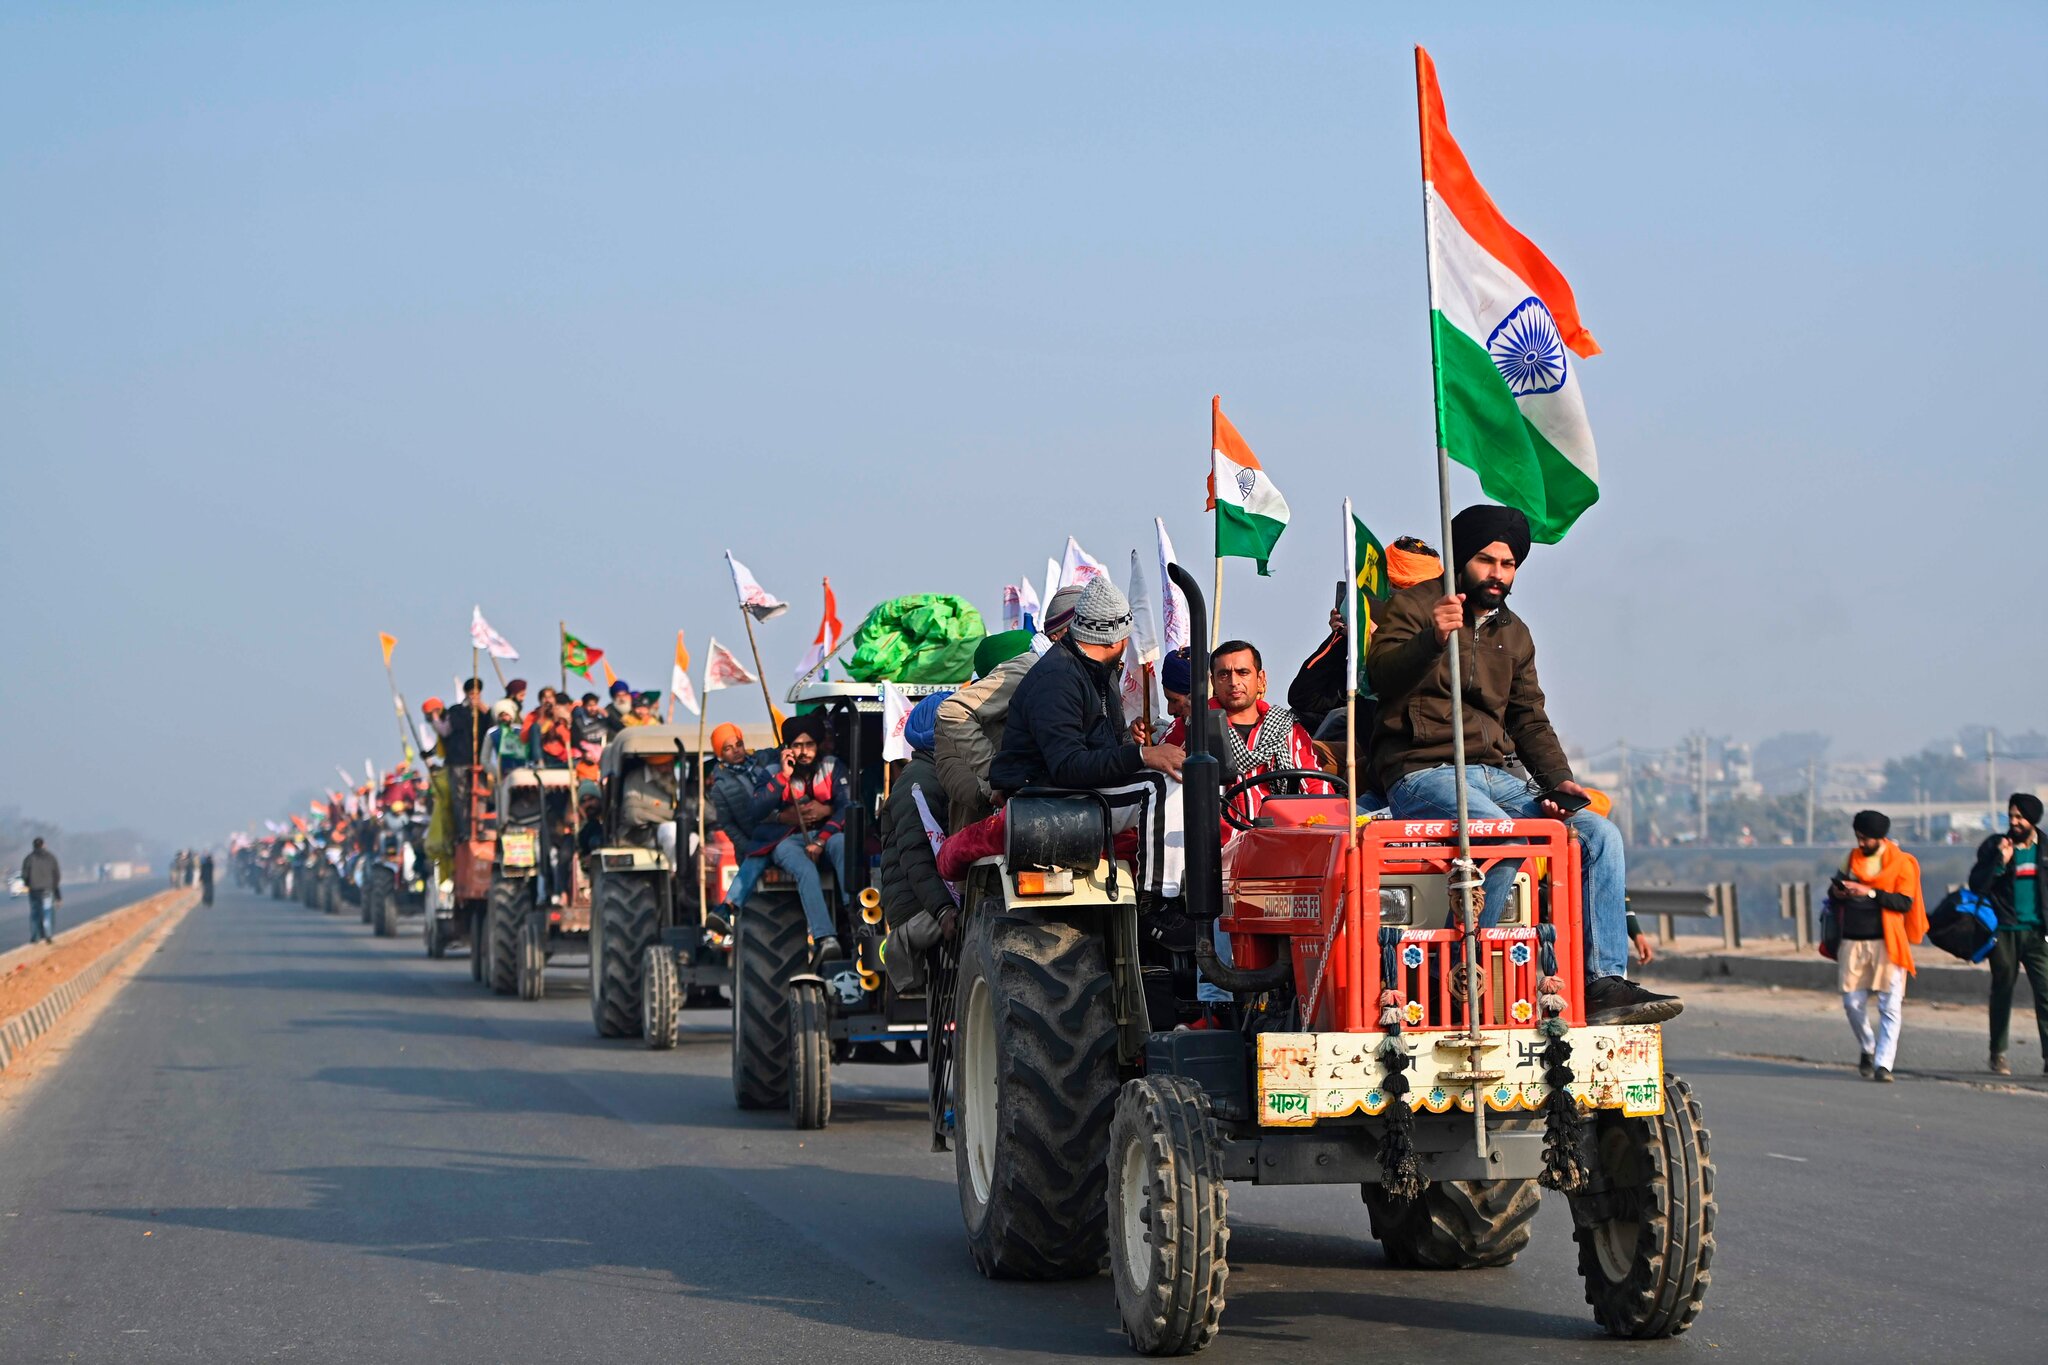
{"x":1400,"y":1170}
{"x":1390,"y":1010}
{"x":1564,"y":1127}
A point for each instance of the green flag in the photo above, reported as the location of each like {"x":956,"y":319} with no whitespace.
{"x":1372,"y":585}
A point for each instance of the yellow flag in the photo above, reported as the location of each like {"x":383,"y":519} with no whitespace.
{"x":775,"y":713}
{"x":387,"y":641}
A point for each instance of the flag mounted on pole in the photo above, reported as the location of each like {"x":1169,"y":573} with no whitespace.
{"x":388,"y":641}
{"x":1369,"y":569}
{"x":489,"y":641}
{"x":723,"y":669}
{"x":826,"y":643}
{"x":1173,"y":603}
{"x":1078,"y":567}
{"x":1504,"y":329}
{"x":578,"y":657}
{"x":679,"y":682}
{"x":1250,"y":513}
{"x":755,"y":600}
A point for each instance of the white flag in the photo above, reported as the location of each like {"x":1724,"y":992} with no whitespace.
{"x":1141,"y":653}
{"x":483,"y":637}
{"x":1028,"y":608}
{"x":1079,"y":566}
{"x":933,"y":833}
{"x":896,"y":706}
{"x":756,"y":600}
{"x":679,"y":687}
{"x":1013,"y":607}
{"x":1052,"y":580}
{"x":1173,"y":603}
{"x":722,"y":670}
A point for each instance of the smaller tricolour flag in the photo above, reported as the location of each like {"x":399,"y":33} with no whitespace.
{"x":826,"y":643}
{"x":755,"y":600}
{"x":1079,"y":567}
{"x":679,"y":682}
{"x":483,"y":637}
{"x":1250,"y":513}
{"x":722,"y":669}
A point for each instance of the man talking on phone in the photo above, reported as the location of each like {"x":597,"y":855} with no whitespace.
{"x":1408,"y":665}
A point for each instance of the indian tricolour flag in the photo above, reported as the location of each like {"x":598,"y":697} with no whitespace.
{"x":1250,"y":513}
{"x":1504,"y":330}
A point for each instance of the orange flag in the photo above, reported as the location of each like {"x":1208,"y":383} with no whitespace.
{"x":387,"y":641}
{"x":609,"y":676}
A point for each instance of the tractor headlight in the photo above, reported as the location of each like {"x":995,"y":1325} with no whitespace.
{"x":1397,"y":905}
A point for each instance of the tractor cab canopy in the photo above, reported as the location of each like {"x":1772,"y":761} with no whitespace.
{"x":520,"y":795}
{"x":641,"y":768}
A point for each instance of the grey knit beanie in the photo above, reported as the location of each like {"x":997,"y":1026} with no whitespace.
{"x":1059,"y":613}
{"x":1102,"y":616}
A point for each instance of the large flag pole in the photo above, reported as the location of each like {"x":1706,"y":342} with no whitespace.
{"x":703,"y":708}
{"x":1216,"y":526}
{"x":761,"y":673}
{"x":1466,"y":885}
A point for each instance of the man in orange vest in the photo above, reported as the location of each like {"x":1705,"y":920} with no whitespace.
{"x":1877,"y":900}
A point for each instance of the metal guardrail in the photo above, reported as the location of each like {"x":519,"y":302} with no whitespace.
{"x":1668,"y":903}
{"x":1795,"y":903}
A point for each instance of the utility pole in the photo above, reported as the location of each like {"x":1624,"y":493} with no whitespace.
{"x":1700,"y":779}
{"x":1628,"y":801}
{"x":1812,"y":781}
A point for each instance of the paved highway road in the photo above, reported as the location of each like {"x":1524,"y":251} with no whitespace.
{"x":87,"y":900}
{"x":286,"y":1139}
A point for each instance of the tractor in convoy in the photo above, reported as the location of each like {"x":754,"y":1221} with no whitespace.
{"x":398,"y":877}
{"x":1447,"y":1073}
{"x":539,"y":899}
{"x":461,"y":908}
{"x":793,"y":1018}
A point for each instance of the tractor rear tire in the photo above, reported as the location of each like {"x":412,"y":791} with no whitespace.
{"x":623,"y":922}
{"x":504,"y":913}
{"x":658,"y":991}
{"x":773,"y":945}
{"x":1168,"y":1229}
{"x":379,"y":886}
{"x":532,"y":975}
{"x":478,"y":917}
{"x":810,"y":1057}
{"x":386,"y":923}
{"x":330,"y":896}
{"x":1646,"y":1240}
{"x":1034,"y":1088}
{"x":436,"y":937}
{"x":1455,"y":1224}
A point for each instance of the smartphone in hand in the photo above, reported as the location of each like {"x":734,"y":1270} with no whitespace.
{"x":1571,"y":803}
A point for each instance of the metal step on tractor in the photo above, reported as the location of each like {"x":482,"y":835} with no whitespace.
{"x":1089,"y":1123}
{"x":648,"y":952}
{"x":539,"y":899}
{"x":793,"y":1019}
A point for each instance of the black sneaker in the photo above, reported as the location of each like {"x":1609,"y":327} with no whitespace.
{"x":1618,"y":1000}
{"x":828,"y":949}
{"x":1884,"y":1074}
{"x":1865,"y":1065}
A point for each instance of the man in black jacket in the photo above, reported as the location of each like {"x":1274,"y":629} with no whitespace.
{"x":462,"y":730}
{"x":1066,"y":729}
{"x":2006,"y":874}
{"x":45,"y":881}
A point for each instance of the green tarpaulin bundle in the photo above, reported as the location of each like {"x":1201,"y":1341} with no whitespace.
{"x":927,"y":637}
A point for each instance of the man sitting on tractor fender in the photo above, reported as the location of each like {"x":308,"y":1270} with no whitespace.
{"x":798,"y":813}
{"x":1409,"y":669}
{"x":1066,"y":729}
{"x":971,"y":720}
{"x":730,"y":790}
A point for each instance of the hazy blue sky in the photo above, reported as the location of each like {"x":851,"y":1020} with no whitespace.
{"x":316,"y":321}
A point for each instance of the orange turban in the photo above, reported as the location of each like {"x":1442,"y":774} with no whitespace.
{"x":722,"y":735}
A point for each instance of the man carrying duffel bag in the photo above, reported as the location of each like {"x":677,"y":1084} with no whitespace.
{"x":2006,"y":874}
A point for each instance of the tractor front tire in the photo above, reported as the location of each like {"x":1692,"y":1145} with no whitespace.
{"x":504,"y":913}
{"x":532,"y":975}
{"x":1168,"y":1229}
{"x":479,"y":918}
{"x":1455,"y":1224}
{"x":436,"y":937}
{"x":379,"y":887}
{"x":773,"y":945}
{"x":1034,"y":1087}
{"x":623,"y":922}
{"x":1646,"y":1230}
{"x":658,"y":991}
{"x":810,"y":1057}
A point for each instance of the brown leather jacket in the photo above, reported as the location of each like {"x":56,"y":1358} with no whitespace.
{"x":1410,"y":671}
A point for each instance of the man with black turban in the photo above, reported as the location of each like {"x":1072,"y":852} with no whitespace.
{"x":2006,"y":874}
{"x":1408,"y":667}
{"x":1879,"y":909}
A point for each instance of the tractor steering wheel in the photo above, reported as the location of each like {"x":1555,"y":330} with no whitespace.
{"x":1235,"y":821}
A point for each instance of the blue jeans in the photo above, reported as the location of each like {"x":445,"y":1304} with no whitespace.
{"x":42,"y":916}
{"x":1491,"y":794}
{"x":789,"y":855}
{"x":743,"y":882}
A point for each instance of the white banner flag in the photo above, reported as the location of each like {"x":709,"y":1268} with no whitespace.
{"x":896,"y":706}
{"x":756,"y":600}
{"x":1173,"y":603}
{"x":1079,"y":566}
{"x":680,"y":688}
{"x":1052,"y":580}
{"x":483,"y":637}
{"x":1029,"y":608}
{"x":1141,"y":653}
{"x":722,"y":670}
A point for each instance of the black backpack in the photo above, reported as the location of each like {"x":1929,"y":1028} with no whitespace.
{"x":1965,"y":924}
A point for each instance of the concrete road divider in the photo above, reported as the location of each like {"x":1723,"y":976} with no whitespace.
{"x":73,"y":965}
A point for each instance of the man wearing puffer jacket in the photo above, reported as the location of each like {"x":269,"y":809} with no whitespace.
{"x":919,"y":905}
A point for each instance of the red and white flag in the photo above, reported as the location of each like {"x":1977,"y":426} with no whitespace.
{"x":755,"y":600}
{"x":679,"y":682}
{"x":483,"y":637}
{"x":896,"y":707}
{"x":827,"y":642}
{"x":722,"y":670}
{"x":1079,"y":567}
{"x":1173,"y":603}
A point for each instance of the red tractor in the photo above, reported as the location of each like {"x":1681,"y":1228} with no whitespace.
{"x":1088,"y":1123}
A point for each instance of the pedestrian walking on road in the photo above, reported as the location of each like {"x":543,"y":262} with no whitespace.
{"x":45,"y":892}
{"x":2006,"y":874}
{"x":206,"y":880}
{"x":1878,"y":903}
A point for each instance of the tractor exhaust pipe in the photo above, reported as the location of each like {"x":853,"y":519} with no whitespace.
{"x":1202,"y":776}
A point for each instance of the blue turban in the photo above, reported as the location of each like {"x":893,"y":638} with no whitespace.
{"x":1177,"y":673}
{"x":921,"y":731}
